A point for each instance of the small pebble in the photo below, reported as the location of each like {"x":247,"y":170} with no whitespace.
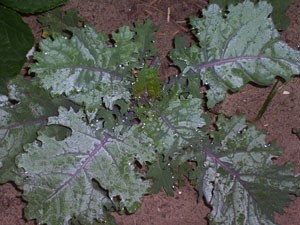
{"x":286,"y":92}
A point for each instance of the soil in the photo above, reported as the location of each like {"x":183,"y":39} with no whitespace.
{"x":280,"y":117}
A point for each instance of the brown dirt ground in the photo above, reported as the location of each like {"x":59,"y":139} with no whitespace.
{"x":281,"y":116}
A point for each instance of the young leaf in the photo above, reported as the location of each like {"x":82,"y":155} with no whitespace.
{"x":162,"y":176}
{"x":19,"y":123}
{"x":236,"y":49}
{"x":147,"y":83}
{"x":168,"y":172}
{"x":125,"y":51}
{"x":240,"y":181}
{"x":16,"y":40}
{"x":145,"y":34}
{"x":65,"y":178}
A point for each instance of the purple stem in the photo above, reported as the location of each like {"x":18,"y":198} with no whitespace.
{"x":226,"y":168}
{"x":155,"y":61}
{"x":165,"y":120}
{"x":82,"y":166}
{"x":223,"y":61}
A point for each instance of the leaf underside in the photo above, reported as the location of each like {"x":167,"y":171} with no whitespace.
{"x":241,"y":47}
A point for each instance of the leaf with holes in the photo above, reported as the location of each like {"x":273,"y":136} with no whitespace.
{"x":240,"y":179}
{"x":241,"y":47}
{"x":67,"y":177}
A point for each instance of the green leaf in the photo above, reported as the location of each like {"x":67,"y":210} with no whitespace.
{"x":118,"y":115}
{"x":132,"y":48}
{"x":145,"y":34}
{"x":168,"y":172}
{"x":79,"y":68}
{"x":278,"y":15}
{"x":281,"y":20}
{"x":174,"y":122}
{"x":56,"y":21}
{"x":20,"y":122}
{"x":16,"y":40}
{"x":66,"y":178}
{"x":87,"y":69}
{"x":147,"y":83}
{"x":162,"y":175}
{"x":32,"y":6}
{"x":236,"y":49}
{"x":241,"y":183}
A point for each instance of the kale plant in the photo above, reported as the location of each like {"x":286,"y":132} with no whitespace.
{"x":75,"y":138}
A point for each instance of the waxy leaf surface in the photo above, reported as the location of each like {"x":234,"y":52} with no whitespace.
{"x":66,"y":176}
{"x":174,"y":122}
{"x":280,"y":7}
{"x":20,"y":122}
{"x":88,"y":69}
{"x":78,"y":68}
{"x":240,"y":181}
{"x":241,"y":47}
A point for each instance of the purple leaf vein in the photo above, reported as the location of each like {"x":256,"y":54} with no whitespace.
{"x":224,"y":61}
{"x":81,"y":167}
